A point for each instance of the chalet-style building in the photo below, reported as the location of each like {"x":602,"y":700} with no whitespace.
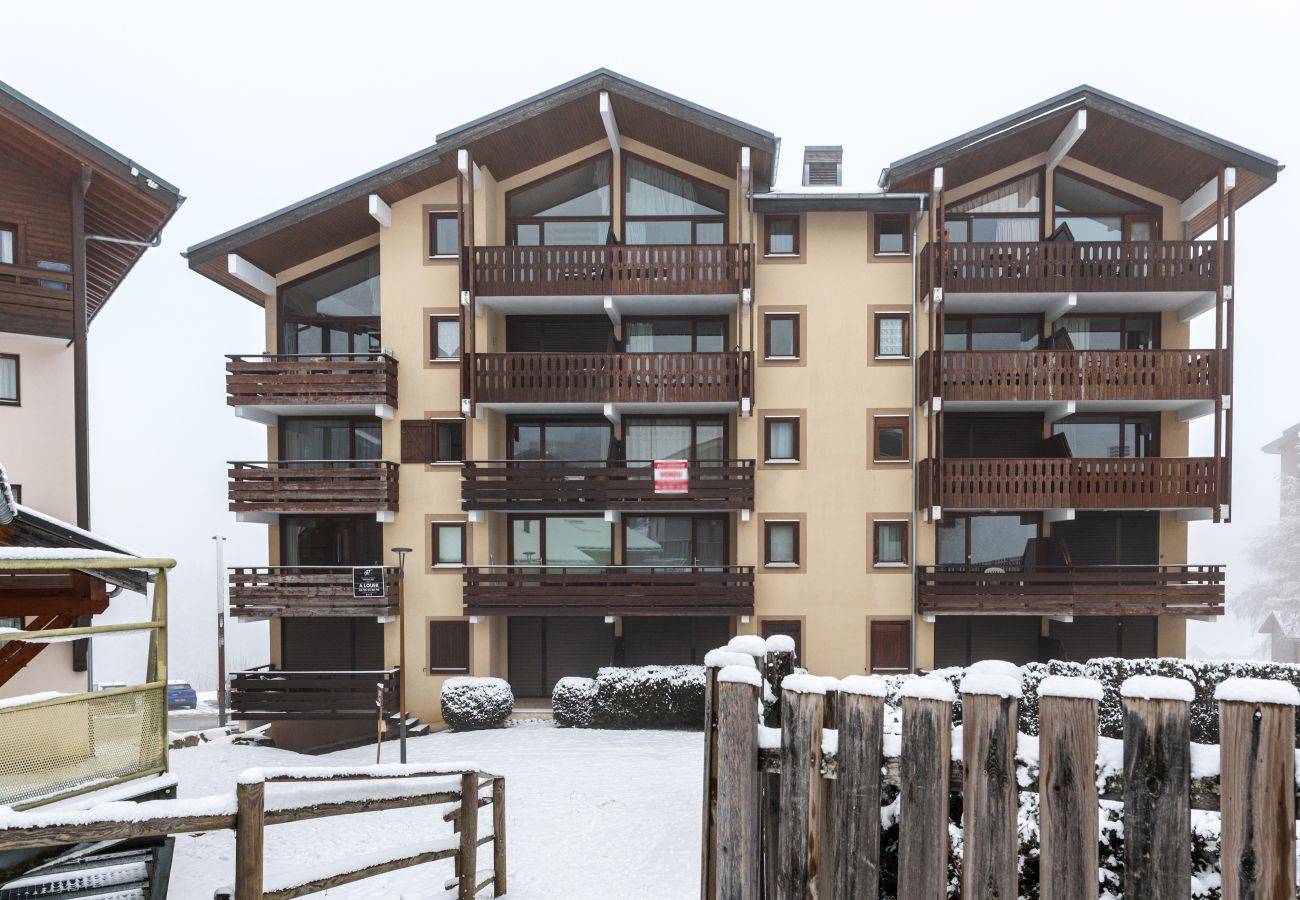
{"x":75,"y":216}
{"x":938,"y":421}
{"x":1287,"y":448}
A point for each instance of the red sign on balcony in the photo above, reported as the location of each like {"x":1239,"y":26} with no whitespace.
{"x":671,"y":476}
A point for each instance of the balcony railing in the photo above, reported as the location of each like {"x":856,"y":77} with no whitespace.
{"x":541,"y":486}
{"x":313,"y":486}
{"x":292,"y":591}
{"x":610,"y":270}
{"x":1028,"y":375}
{"x":19,"y":282}
{"x":1072,"y":483}
{"x":609,"y":590}
{"x":271,"y":695}
{"x":333,"y":379}
{"x":1060,"y":266}
{"x":612,"y":377}
{"x":1072,"y":590}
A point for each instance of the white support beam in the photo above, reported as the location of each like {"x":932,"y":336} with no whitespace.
{"x":611,"y":124}
{"x":474,"y":516}
{"x":936,"y":513}
{"x":250,"y":274}
{"x":928,"y":619}
{"x":1060,"y":148}
{"x":1065,"y":620}
{"x":1196,"y":410}
{"x":380,"y":211}
{"x":475,"y":620}
{"x":746,"y":409}
{"x":612,"y":620}
{"x":462,"y":163}
{"x":385,"y":516}
{"x":744,"y":620}
{"x":746,"y":296}
{"x":613,"y":516}
{"x":937,"y":179}
{"x":1053,"y":516}
{"x":745,"y":514}
{"x":1061,"y":308}
{"x":1202,"y":304}
{"x":1206,"y":196}
{"x":611,"y":310}
{"x":384,"y":411}
{"x":1058,"y":411}
{"x":612,"y":413}
{"x":1226,"y":400}
{"x":744,"y":168}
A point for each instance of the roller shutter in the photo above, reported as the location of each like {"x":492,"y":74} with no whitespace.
{"x":962,"y":640}
{"x":669,"y":641}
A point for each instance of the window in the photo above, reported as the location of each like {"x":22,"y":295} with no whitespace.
{"x":7,"y":622}
{"x":449,"y":646}
{"x":665,"y":207}
{"x":961,"y":333}
{"x":443,"y":234}
{"x":344,"y":440}
{"x":9,"y":388}
{"x":892,"y":335}
{"x":983,"y":542}
{"x":891,"y":647}
{"x":781,"y":335}
{"x":8,"y":243}
{"x":449,"y":543}
{"x":781,"y":442}
{"x":889,"y":540}
{"x":672,"y":542}
{"x":782,"y":235}
{"x":448,"y":441}
{"x":890,"y":439}
{"x":892,"y":235}
{"x":700,"y":439}
{"x":1110,"y":437}
{"x":571,"y":207}
{"x":576,"y":440}
{"x":675,"y":335}
{"x":560,"y":540}
{"x":331,"y":540}
{"x":781,"y":543}
{"x":1011,"y":211}
{"x":1093,"y":212}
{"x":335,"y":310}
{"x":1094,"y":332}
{"x":444,"y":338}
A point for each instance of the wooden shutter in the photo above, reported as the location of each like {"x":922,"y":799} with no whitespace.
{"x":417,"y":441}
{"x":891,"y":647}
{"x":449,"y":646}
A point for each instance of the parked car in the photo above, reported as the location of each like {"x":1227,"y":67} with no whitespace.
{"x":180,"y":695}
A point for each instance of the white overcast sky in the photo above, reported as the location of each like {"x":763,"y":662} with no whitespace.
{"x":248,"y":107}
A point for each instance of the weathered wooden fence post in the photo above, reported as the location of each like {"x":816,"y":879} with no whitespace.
{"x":854,"y":813}
{"x":1257,"y":787}
{"x":826,"y":828}
{"x":1157,"y":787}
{"x":990,"y":801}
{"x":737,"y":850}
{"x":776,"y":665}
{"x":468,"y":855}
{"x":499,"y":875}
{"x":250,"y":816}
{"x":923,"y":789}
{"x":797,"y":852}
{"x":1067,"y":788}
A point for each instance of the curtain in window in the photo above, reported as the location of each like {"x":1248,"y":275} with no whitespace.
{"x":652,"y":191}
{"x":780,"y":540}
{"x":780,"y":440}
{"x":890,"y":543}
{"x":1008,"y":230}
{"x":663,"y":439}
{"x":449,"y":544}
{"x":1019,"y":196}
{"x":6,"y":246}
{"x":8,"y":379}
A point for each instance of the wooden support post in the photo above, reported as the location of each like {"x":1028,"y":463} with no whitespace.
{"x":923,"y":789}
{"x":708,"y":818}
{"x":499,"y":836}
{"x":1157,"y":802}
{"x":1067,"y":786}
{"x":250,"y":829}
{"x":801,"y":744}
{"x":736,"y":852}
{"x":827,"y":828}
{"x":468,"y":853}
{"x":989,"y":796}
{"x":775,"y":666}
{"x":855,"y":808}
{"x":1257,"y":799}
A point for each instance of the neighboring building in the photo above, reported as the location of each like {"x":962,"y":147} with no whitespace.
{"x":1281,"y":625}
{"x":603,"y":275}
{"x":75,"y":216}
{"x":1287,"y":447}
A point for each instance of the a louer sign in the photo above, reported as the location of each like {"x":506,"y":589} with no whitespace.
{"x":367,"y":581}
{"x":671,"y":476}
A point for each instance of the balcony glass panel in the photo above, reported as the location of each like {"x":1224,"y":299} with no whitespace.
{"x":1113,"y":437}
{"x":1110,"y":332}
{"x":329,"y":439}
{"x":985,"y":542}
{"x":991,"y":333}
{"x":675,"y":542}
{"x":581,"y":191}
{"x":330,"y":541}
{"x":560,"y":441}
{"x":558,"y":541}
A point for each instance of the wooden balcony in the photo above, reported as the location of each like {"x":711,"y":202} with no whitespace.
{"x":623,"y":270}
{"x":307,"y":383}
{"x":299,"y":591}
{"x":1057,"y":375}
{"x":269,"y":695}
{"x":1070,"y":483}
{"x":1080,"y":266}
{"x":1072,"y":591}
{"x":313,"y":486}
{"x":535,"y":486}
{"x":613,"y":377}
{"x":39,"y":299}
{"x":609,"y":590}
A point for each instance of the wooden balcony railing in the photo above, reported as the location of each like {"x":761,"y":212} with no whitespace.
{"x":334,"y":485}
{"x":541,"y":486}
{"x":611,"y":377}
{"x":1027,"y":375}
{"x":610,"y":270}
{"x":21,"y":282}
{"x":1072,"y":590}
{"x":272,"y":695}
{"x":1072,"y":483}
{"x":609,"y":590}
{"x":1051,"y":266}
{"x":361,"y":379}
{"x":294,"y":591}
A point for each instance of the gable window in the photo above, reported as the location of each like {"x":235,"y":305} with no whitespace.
{"x":781,"y":543}
{"x":9,"y":388}
{"x":448,"y":543}
{"x":1010,"y":212}
{"x":444,"y":338}
{"x":8,"y":243}
{"x":449,"y":646}
{"x":1093,"y":212}
{"x":890,"y":543}
{"x":781,"y":335}
{"x":675,"y":335}
{"x":892,"y":335}
{"x":443,"y":234}
{"x":781,"y":235}
{"x":570,"y":207}
{"x":781,"y":441}
{"x":335,"y":310}
{"x":665,"y":207}
{"x":889,"y":438}
{"x":892,"y":235}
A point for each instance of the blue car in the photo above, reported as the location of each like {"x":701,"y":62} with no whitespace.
{"x":180,"y":695}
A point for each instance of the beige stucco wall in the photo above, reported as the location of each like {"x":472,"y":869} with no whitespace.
{"x":37,"y":437}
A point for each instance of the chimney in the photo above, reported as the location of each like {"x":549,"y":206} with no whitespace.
{"x":823,"y":166}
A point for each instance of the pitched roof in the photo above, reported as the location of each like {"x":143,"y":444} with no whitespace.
{"x":1277,"y":445}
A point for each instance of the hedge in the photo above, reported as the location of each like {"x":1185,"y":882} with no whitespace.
{"x":645,"y":697}
{"x":470,"y":704}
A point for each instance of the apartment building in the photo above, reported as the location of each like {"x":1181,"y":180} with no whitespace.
{"x":935,"y":420}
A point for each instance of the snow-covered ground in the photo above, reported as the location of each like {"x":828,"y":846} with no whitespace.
{"x":590,"y":813}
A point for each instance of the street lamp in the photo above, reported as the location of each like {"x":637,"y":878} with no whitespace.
{"x":401,"y":646}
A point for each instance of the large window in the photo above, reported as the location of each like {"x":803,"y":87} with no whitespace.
{"x":700,"y":439}
{"x":1012,"y":211}
{"x":329,"y":439}
{"x":675,"y":335}
{"x":1108,"y":332}
{"x":985,"y":542}
{"x":992,"y":332}
{"x":10,"y":389}
{"x":571,"y":207}
{"x":331,"y":541}
{"x":333,"y":311}
{"x":1111,"y":437}
{"x":561,"y":541}
{"x":575,"y":440}
{"x":665,"y":207}
{"x":1096,"y":213}
{"x":675,"y":541}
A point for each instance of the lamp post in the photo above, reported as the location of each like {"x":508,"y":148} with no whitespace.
{"x":401,"y":646}
{"x":223,"y":584}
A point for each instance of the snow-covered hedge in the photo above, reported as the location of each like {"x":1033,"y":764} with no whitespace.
{"x":645,"y":697}
{"x":573,"y":701}
{"x":473,"y":703}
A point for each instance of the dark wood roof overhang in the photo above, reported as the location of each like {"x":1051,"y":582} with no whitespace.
{"x":796,"y":202}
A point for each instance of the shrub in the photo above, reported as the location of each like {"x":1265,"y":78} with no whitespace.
{"x":473,"y":703}
{"x":573,"y":701}
{"x":650,"y":697}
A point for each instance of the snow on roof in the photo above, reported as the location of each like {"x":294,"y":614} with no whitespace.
{"x":929,"y":688}
{"x":28,"y":512}
{"x":721,"y":656}
{"x":1070,"y":686}
{"x":1257,"y":690}
{"x":1157,"y":687}
{"x":741,"y":675}
{"x":863,"y":685}
{"x":68,"y":553}
{"x":991,"y":685}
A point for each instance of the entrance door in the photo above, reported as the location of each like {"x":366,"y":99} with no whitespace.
{"x":891,"y":647}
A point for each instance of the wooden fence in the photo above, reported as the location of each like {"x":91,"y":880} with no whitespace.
{"x":794,"y":811}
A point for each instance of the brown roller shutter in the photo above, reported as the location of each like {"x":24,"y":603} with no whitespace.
{"x":417,"y":441}
{"x":316,"y":645}
{"x":656,"y":641}
{"x":449,"y":646}
{"x":577,"y":645}
{"x":559,"y":334}
{"x":367,"y":645}
{"x":962,"y":640}
{"x":891,"y":647}
{"x":526,"y":655}
{"x":982,"y":437}
{"x":1108,"y":539}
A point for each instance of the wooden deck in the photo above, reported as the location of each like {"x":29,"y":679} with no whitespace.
{"x":313,"y":486}
{"x":612,"y":377}
{"x":609,"y":590}
{"x":305,"y":591}
{"x":610,"y":270}
{"x":336,"y":379}
{"x":536,"y":486}
{"x":1072,"y":483}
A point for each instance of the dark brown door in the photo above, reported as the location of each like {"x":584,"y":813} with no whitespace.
{"x":791,"y":627}
{"x":891,"y":647}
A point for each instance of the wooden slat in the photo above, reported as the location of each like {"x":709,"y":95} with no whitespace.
{"x":608,"y":377}
{"x":734,"y":839}
{"x":542,"y":486}
{"x":1257,"y":778}
{"x":923,"y":786}
{"x":1157,"y":804}
{"x":284,"y":591}
{"x":1051,"y":266}
{"x":278,"y":695}
{"x":363,"y":379}
{"x":854,"y":825}
{"x":614,"y":589}
{"x":313,"y":486}
{"x":797,"y":850}
{"x":1067,"y":775}
{"x":609,"y":270}
{"x":989,"y":798}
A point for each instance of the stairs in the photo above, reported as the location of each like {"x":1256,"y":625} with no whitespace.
{"x":115,"y":873}
{"x":393,"y":731}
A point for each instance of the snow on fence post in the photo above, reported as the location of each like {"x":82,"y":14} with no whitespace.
{"x":498,"y":836}
{"x":714,"y":661}
{"x":923,"y":788}
{"x":250,"y":821}
{"x":467,"y":857}
{"x":1256,"y":784}
{"x":990,"y":802}
{"x":797,"y":851}
{"x":1067,"y":784}
{"x":1157,"y":787}
{"x":736,"y":853}
{"x":854,"y":813}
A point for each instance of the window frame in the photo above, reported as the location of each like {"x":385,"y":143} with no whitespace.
{"x":768,"y":459}
{"x":797,"y":561}
{"x":353,"y":421}
{"x":434,"y":320}
{"x":1124,"y":319}
{"x":695,"y":519}
{"x":767,"y":235}
{"x":16,"y":230}
{"x":448,"y":670}
{"x":891,"y":420}
{"x":17,"y":399}
{"x":768,"y":318}
{"x":342,"y":323}
{"x":876,"y":561}
{"x":541,"y":563}
{"x":968,"y":218}
{"x":436,"y":449}
{"x":696,"y":419}
{"x":436,"y":527}
{"x":1121,"y":420}
{"x":907,"y":335}
{"x":513,"y":223}
{"x":432,"y":216}
{"x":624,"y":179}
{"x":1152,"y":212}
{"x":906,"y":221}
{"x":969,"y":319}
{"x":695,"y":321}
